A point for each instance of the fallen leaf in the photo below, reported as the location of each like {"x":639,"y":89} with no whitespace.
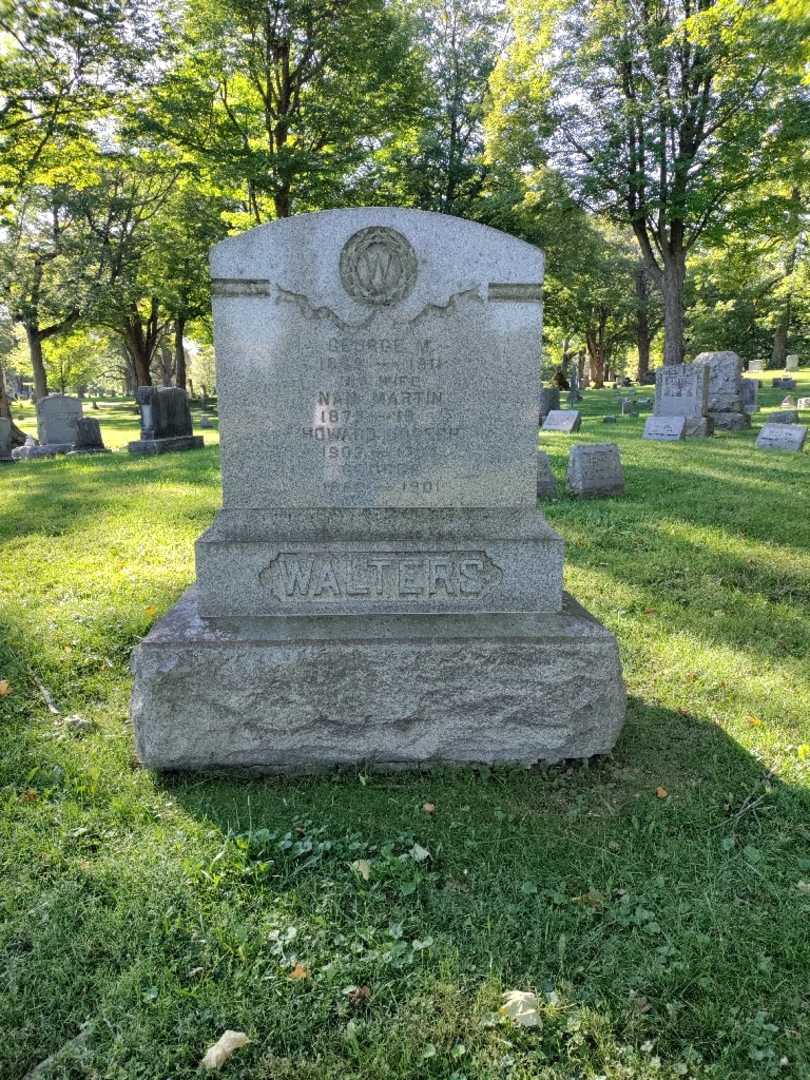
{"x":5,"y":687}
{"x":754,"y":721}
{"x":661,"y":792}
{"x":649,"y":610}
{"x":220,"y":1052}
{"x":359,"y":995}
{"x":521,"y":1007}
{"x":428,"y":807}
{"x":362,"y":867}
{"x":298,"y":972}
{"x":418,"y":853}
{"x":151,"y":610}
{"x":29,"y":796}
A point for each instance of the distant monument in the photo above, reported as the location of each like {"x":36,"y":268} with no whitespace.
{"x":379,"y":587}
{"x":165,"y":421}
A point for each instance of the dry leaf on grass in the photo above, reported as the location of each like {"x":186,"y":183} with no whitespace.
{"x":220,"y":1052}
{"x":661,"y":792}
{"x":521,"y":1007}
{"x":151,"y":611}
{"x":5,"y":688}
{"x":428,"y":807}
{"x":298,"y":972}
{"x":362,"y":867}
{"x":418,"y":853}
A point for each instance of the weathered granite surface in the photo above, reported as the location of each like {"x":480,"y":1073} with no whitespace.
{"x":792,"y":362}
{"x":302,"y":695}
{"x":165,"y":421}
{"x":698,"y":427}
{"x":546,"y":481}
{"x":731,"y":421}
{"x":782,"y":437}
{"x":564,"y":420}
{"x":595,"y":469}
{"x":57,"y":417}
{"x":88,"y":438}
{"x":750,"y":395}
{"x":664,"y":428}
{"x":725,"y":380}
{"x":681,"y":390}
{"x":5,"y":442}
{"x":784,"y":416}
{"x":166,"y":446}
{"x":379,"y":585}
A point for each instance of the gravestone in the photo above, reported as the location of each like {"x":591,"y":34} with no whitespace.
{"x":792,"y":362}
{"x":756,"y":365}
{"x":664,"y":428}
{"x":629,"y":407}
{"x":803,"y":403}
{"x":549,"y":399}
{"x":546,"y":483}
{"x":750,"y":395}
{"x":595,"y":469}
{"x":786,"y":416}
{"x":647,"y":379}
{"x":789,"y":437}
{"x":565,"y":420}
{"x":88,"y":438}
{"x":681,"y":390}
{"x":725,"y":403}
{"x":5,"y":442}
{"x":165,"y":421}
{"x":379,"y":588}
{"x":57,"y":419}
{"x":788,"y":402}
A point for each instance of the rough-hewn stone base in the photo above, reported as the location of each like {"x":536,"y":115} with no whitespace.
{"x":303,"y":694}
{"x":730,"y":421}
{"x":166,"y":446}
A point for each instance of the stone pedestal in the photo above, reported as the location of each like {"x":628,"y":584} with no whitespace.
{"x":379,"y":588}
{"x":301,"y":695}
{"x":166,"y":446}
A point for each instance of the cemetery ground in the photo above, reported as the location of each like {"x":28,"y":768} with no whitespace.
{"x":657,"y":901}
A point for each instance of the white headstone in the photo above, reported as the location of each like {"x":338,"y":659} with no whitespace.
{"x":782,"y":437}
{"x":665,"y":428}
{"x":565,"y":420}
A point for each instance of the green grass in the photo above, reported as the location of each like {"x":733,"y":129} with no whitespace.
{"x":666,"y":936}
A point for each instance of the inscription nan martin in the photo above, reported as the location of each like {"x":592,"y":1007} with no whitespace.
{"x":384,"y":576}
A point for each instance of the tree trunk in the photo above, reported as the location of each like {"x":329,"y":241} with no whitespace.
{"x":643,"y":335}
{"x":780,"y":335}
{"x":166,"y":363}
{"x":141,"y":362}
{"x":37,"y":363}
{"x":179,"y":353}
{"x":672,"y":282}
{"x":597,"y":360}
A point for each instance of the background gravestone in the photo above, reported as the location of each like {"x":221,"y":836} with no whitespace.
{"x":792,"y":362}
{"x":750,"y":395}
{"x":5,"y":441}
{"x":565,"y":420}
{"x":379,"y":586}
{"x":784,"y":416}
{"x":683,"y":390}
{"x":549,"y":399}
{"x":789,"y":437}
{"x":664,"y":428}
{"x":546,"y":482}
{"x":595,"y":469}
{"x":88,"y":438}
{"x":725,"y":405}
{"x":165,"y":421}
{"x":57,"y":418}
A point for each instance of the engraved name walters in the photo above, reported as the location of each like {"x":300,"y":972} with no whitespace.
{"x":293,"y":577}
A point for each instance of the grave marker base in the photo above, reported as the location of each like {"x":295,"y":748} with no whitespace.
{"x":166,"y":446}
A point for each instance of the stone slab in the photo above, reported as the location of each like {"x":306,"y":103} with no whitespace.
{"x":546,"y":481}
{"x":784,"y":416}
{"x":549,"y":399}
{"x":595,"y":469}
{"x":730,"y":421}
{"x":681,"y":390}
{"x":725,"y":380}
{"x":565,"y":420}
{"x":377,"y":357}
{"x":664,"y":428}
{"x":698,"y":427}
{"x":166,"y":446}
{"x":750,"y":395}
{"x":789,"y":437}
{"x":803,"y":403}
{"x":792,"y":362}
{"x":373,"y":561}
{"x":164,"y":412}
{"x":30,"y":453}
{"x":57,"y":417}
{"x":301,"y":695}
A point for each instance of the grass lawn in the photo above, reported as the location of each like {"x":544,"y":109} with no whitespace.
{"x":658,"y":900}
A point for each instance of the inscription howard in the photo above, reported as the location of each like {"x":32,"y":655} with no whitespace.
{"x":293,"y":577}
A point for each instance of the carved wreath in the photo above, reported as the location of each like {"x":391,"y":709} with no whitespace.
{"x":378,"y":266}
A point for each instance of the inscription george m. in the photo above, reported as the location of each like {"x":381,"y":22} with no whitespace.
{"x":389,"y":575}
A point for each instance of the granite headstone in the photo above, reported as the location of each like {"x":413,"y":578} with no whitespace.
{"x":750,"y":395}
{"x":88,"y":438}
{"x":725,"y":404}
{"x":5,"y":441}
{"x":546,"y":483}
{"x":549,"y":399}
{"x":57,"y":418}
{"x":784,"y":416}
{"x":595,"y":469}
{"x":681,"y":390}
{"x":565,"y":420}
{"x":379,"y":587}
{"x":782,"y":437}
{"x":165,"y":421}
{"x":792,"y":362}
{"x":664,"y":428}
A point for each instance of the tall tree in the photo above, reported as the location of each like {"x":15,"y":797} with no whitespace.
{"x":281,"y":100}
{"x":656,"y":111}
